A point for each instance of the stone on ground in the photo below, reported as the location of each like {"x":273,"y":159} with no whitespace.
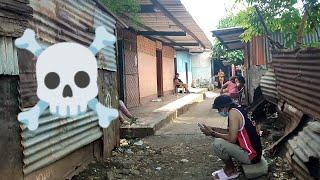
{"x":256,"y":170}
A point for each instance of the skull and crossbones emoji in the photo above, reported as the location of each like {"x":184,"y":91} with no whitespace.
{"x":66,"y":78}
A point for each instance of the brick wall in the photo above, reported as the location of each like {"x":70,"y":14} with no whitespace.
{"x":146,"y":46}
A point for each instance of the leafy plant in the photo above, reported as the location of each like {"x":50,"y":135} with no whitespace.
{"x":124,"y":8}
{"x":284,"y":16}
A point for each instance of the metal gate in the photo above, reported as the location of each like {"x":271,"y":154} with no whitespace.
{"x":132,"y":95}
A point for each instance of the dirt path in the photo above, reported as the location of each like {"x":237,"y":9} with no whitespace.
{"x":177,"y":151}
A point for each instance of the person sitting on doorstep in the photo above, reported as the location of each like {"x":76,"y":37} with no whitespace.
{"x":240,"y":141}
{"x":179,"y":84}
{"x":230,"y":87}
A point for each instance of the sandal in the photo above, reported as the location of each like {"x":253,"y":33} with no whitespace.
{"x":222,"y":175}
{"x":216,"y":172}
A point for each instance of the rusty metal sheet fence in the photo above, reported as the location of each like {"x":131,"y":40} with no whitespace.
{"x":53,"y":22}
{"x":303,"y":152}
{"x":298,"y":79}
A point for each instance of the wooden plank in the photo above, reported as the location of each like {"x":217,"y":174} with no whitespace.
{"x":10,"y":148}
{"x":8,"y":57}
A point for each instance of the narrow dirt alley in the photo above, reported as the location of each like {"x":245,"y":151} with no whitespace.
{"x":177,"y":151}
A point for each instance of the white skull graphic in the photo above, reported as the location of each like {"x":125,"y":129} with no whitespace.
{"x":67,"y":78}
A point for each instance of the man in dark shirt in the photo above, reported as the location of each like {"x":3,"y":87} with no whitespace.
{"x":179,"y":84}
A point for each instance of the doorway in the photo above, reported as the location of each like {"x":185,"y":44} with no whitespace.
{"x":159,"y":73}
{"x":187,"y":70}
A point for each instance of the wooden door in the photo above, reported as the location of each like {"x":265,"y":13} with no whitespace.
{"x":159,"y":74}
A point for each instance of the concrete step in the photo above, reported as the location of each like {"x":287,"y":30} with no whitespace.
{"x":148,"y":125}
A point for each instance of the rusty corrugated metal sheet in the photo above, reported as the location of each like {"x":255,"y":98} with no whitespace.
{"x":57,"y":21}
{"x":269,"y":86}
{"x":53,"y":22}
{"x":14,"y":17}
{"x":298,"y":79}
{"x":57,"y":137}
{"x":303,"y":152}
{"x":73,"y":21}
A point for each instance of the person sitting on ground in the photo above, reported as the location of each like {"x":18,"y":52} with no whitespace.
{"x":239,"y":142}
{"x":125,"y":112}
{"x":179,"y":84}
{"x":229,"y":87}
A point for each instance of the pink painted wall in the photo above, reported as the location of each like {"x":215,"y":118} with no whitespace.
{"x":168,"y":69}
{"x":147,"y":65}
{"x":168,"y":74}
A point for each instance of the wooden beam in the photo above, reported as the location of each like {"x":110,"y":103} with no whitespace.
{"x":162,"y":33}
{"x":184,"y":44}
{"x":176,"y":21}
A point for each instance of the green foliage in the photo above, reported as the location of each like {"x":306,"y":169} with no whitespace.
{"x":124,"y":8}
{"x":279,"y":15}
{"x":233,"y":57}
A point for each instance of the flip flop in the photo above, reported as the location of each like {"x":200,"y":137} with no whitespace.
{"x":222,"y":175}
{"x":216,"y":172}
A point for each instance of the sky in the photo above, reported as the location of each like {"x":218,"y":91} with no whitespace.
{"x":207,"y":13}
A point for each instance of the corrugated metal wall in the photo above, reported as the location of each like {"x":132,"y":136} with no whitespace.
{"x":308,"y":39}
{"x":297,"y":74}
{"x":53,"y":22}
{"x":269,"y":86}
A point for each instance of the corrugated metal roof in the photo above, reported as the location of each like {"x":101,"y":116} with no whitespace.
{"x":161,"y":21}
{"x":230,"y":37}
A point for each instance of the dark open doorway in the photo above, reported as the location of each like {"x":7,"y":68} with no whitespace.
{"x":187,"y":70}
{"x":159,"y":74}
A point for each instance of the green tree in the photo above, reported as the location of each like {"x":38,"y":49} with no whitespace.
{"x":279,"y":15}
{"x":124,"y":8}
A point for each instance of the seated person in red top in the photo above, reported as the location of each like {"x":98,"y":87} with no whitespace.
{"x":239,"y":142}
{"x":229,"y":87}
{"x":179,"y":84}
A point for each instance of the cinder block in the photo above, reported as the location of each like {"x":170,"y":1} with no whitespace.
{"x":256,"y":170}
